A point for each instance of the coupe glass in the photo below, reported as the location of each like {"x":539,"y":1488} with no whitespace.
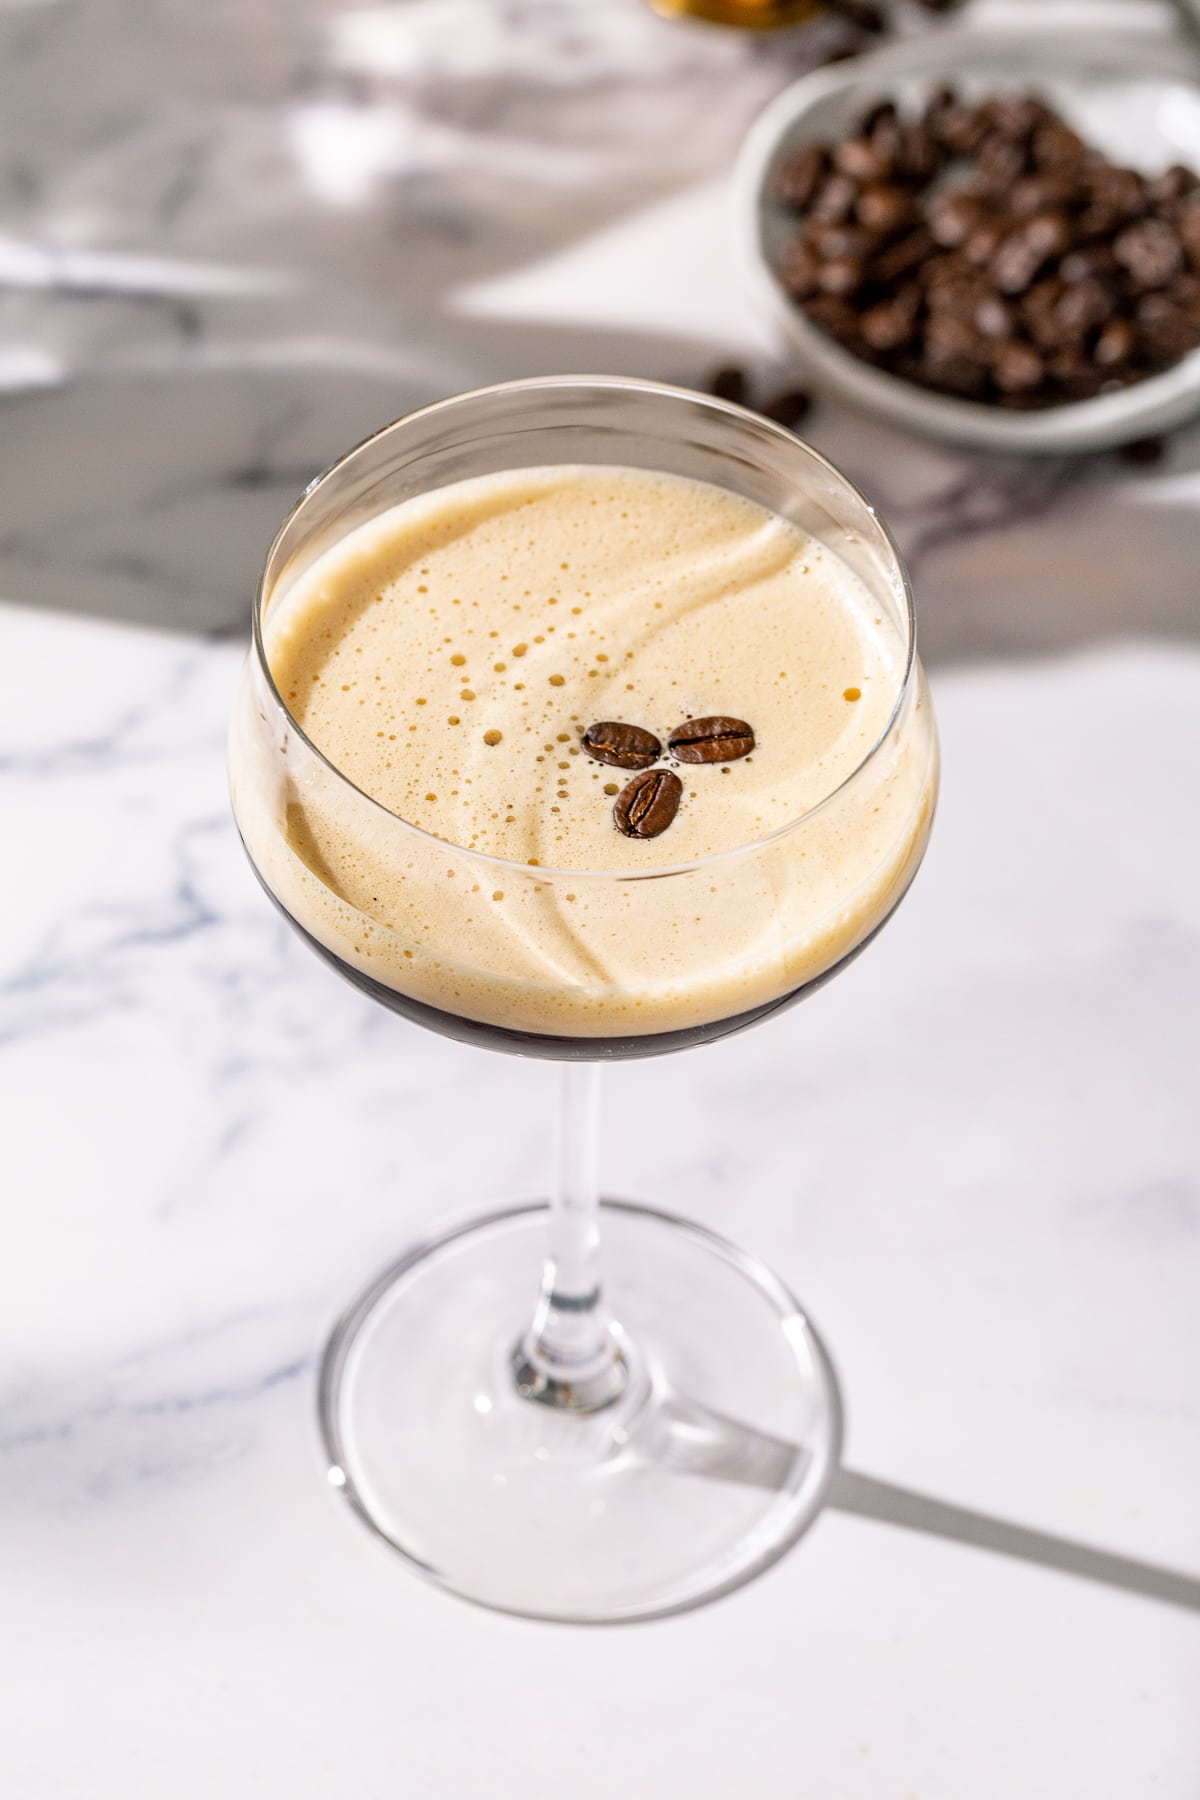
{"x":652,"y":1422}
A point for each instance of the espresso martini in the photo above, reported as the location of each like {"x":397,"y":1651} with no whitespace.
{"x":490,"y":666}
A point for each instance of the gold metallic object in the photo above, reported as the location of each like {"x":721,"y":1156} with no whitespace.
{"x":750,"y":15}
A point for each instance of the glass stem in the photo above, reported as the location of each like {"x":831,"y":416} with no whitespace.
{"x":570,"y":1357}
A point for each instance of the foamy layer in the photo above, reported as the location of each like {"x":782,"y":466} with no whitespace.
{"x":447,"y":658}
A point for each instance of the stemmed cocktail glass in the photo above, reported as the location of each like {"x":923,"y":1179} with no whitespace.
{"x":546,"y":1424}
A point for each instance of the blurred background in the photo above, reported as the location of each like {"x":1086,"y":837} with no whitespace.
{"x":254,"y":232}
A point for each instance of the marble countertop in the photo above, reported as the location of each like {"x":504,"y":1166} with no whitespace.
{"x":232,"y":239}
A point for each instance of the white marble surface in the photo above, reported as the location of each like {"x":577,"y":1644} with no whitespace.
{"x":975,"y":1155}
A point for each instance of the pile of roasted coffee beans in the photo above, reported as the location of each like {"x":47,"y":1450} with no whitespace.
{"x":985,"y":251}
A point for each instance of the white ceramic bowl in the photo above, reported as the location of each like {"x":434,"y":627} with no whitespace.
{"x":1133,"y":100}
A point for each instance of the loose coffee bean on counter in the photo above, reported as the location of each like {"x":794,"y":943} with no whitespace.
{"x":1145,"y":452}
{"x":647,"y":804}
{"x":790,"y":408}
{"x":621,"y":746}
{"x":713,"y":740}
{"x":984,"y":250}
{"x":729,"y":384}
{"x":864,"y":15}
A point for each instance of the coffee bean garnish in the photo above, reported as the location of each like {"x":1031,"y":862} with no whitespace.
{"x":984,"y":250}
{"x":624,"y":746}
{"x":647,"y":804}
{"x":712,"y":740}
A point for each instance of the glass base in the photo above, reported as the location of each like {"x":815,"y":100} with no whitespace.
{"x":700,"y":1475}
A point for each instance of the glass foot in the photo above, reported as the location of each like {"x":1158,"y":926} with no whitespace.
{"x":700,"y":1474}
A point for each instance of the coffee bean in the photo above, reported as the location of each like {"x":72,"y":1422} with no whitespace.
{"x":881,"y":116}
{"x":1113,"y":197}
{"x":983,"y":242}
{"x":883,"y":129}
{"x":1186,"y":292}
{"x":1121,"y":191}
{"x":1187,"y":224}
{"x":953,"y":331}
{"x":797,"y":179}
{"x":1171,"y":185}
{"x":953,"y":219}
{"x":1150,"y":251}
{"x":1015,"y":263}
{"x":1093,"y":259}
{"x":1071,"y":372}
{"x":1082,"y":306}
{"x":960,"y":129}
{"x":624,"y":746}
{"x":1056,"y":146}
{"x":834,"y":201}
{"x":790,"y":408}
{"x":798,"y":270}
{"x":647,"y":804}
{"x":1001,"y":159}
{"x":1026,"y":248}
{"x":1144,"y":453}
{"x":840,"y":275}
{"x":1034,"y":193}
{"x":993,"y":319}
{"x":1050,"y":231}
{"x":858,"y":159}
{"x":918,"y":157}
{"x":831,"y":241}
{"x":1016,"y":368}
{"x":1114,"y":345}
{"x":835,"y":316}
{"x":952,"y":288}
{"x":864,"y":15}
{"x":891,"y":323}
{"x":1014,"y":116}
{"x":902,"y":257}
{"x":711,"y":740}
{"x":1164,"y":330}
{"x":884,"y":207}
{"x":953,"y":372}
{"x":729,"y":384}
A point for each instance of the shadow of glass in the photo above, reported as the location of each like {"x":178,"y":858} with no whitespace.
{"x":868,"y":1498}
{"x":694,"y":1440}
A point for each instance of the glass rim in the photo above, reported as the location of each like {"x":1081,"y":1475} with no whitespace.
{"x":583,"y":383}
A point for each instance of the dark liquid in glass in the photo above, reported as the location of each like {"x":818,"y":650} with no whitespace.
{"x":554,"y":1048}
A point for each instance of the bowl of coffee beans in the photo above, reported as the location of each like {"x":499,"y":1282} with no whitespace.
{"x":992,"y":240}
